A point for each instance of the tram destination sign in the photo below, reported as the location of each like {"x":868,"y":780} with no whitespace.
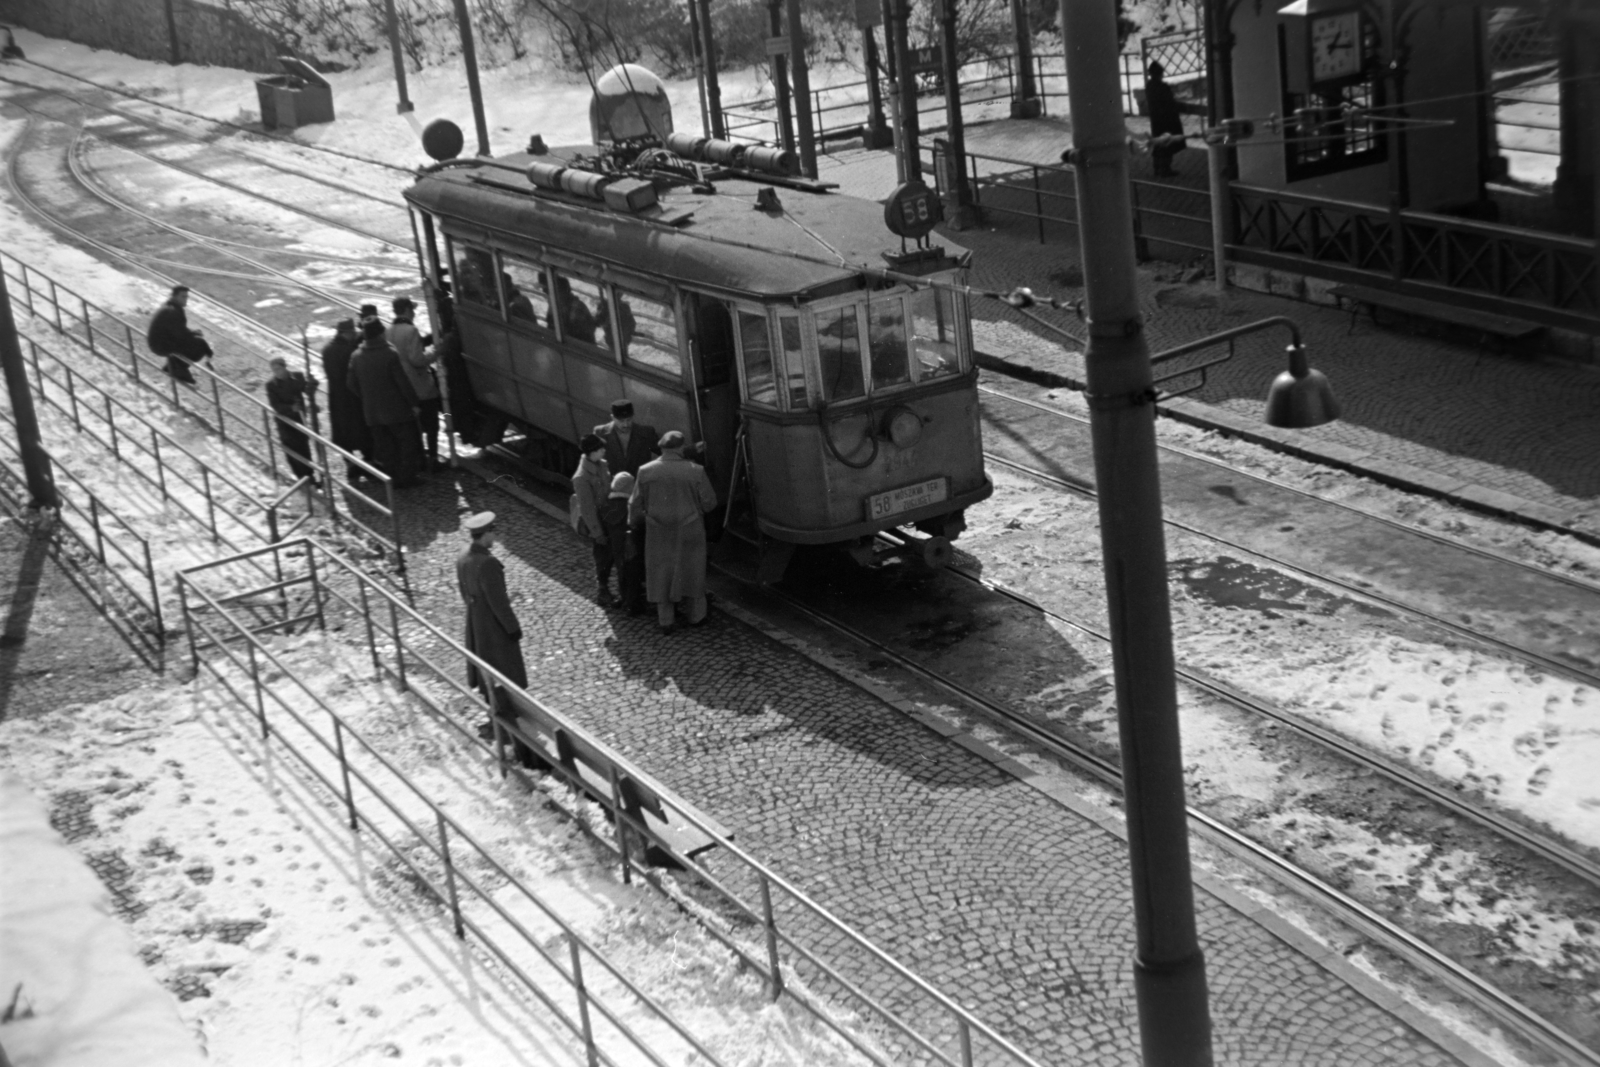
{"x":912,"y":210}
{"x":907,"y":498}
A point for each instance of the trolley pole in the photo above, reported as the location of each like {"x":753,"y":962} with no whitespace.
{"x":405,"y":103}
{"x":1168,"y":967}
{"x":800,"y":77}
{"x":469,"y":56}
{"x":35,"y":460}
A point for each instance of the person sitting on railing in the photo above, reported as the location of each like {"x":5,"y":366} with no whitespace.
{"x":169,"y":335}
{"x":289,"y":392}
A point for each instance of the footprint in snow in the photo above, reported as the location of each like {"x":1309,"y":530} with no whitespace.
{"x":1539,"y":781}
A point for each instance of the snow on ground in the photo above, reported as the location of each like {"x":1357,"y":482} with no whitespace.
{"x":287,"y":939}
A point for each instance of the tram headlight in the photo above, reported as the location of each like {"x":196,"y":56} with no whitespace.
{"x":903,"y":427}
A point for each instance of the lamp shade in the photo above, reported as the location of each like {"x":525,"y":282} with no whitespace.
{"x":1300,"y":397}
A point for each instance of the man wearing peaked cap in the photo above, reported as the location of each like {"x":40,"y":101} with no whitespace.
{"x":590,"y":483}
{"x":671,"y":497}
{"x":346,"y":422}
{"x":493,"y":633}
{"x":629,"y":444}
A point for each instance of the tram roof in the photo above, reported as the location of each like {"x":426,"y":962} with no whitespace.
{"x":818,"y":241}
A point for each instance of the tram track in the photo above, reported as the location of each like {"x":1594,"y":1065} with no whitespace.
{"x":1505,"y":1009}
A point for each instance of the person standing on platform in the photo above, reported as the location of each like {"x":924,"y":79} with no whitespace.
{"x":288,"y":392}
{"x":629,"y":446}
{"x":493,"y":632}
{"x":388,"y":404}
{"x":169,"y":335}
{"x":590,"y":484}
{"x":626,"y":551}
{"x":418,"y":364}
{"x":671,"y":497}
{"x":1165,"y":118}
{"x":347,"y":425}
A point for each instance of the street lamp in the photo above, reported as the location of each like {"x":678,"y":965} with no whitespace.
{"x":1300,"y":397}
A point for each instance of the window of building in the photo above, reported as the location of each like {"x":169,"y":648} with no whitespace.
{"x":647,"y":331}
{"x":839,"y":354}
{"x":475,"y":277}
{"x":760,"y":385}
{"x":886,"y":343}
{"x":792,"y":342}
{"x":527,"y":293}
{"x":933,"y":332}
{"x":580,"y":306}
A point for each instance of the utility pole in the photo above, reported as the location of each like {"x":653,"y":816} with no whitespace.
{"x":778,"y":49}
{"x":959,"y":211}
{"x":1168,"y":967}
{"x":469,"y":56}
{"x":801,"y":78}
{"x":708,"y":59}
{"x":405,"y":103}
{"x":35,"y":460}
{"x":906,"y":83}
{"x":1026,"y":104}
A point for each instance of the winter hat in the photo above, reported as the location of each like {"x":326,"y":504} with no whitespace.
{"x":589,"y":443}
{"x":369,"y":312}
{"x":372,"y":328}
{"x":403,"y":303}
{"x":622,"y":484}
{"x":671,"y":439}
{"x":622,"y":409}
{"x":345,"y":326}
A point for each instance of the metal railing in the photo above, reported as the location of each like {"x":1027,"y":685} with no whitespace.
{"x":1541,"y":277}
{"x":405,"y":648}
{"x":105,"y":419}
{"x":436,"y":849}
{"x":235,"y":415}
{"x":100,"y":534}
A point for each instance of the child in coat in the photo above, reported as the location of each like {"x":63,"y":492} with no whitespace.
{"x":628,"y":553}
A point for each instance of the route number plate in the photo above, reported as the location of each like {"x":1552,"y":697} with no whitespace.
{"x":907,"y":498}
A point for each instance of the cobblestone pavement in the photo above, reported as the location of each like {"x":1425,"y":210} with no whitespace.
{"x":1013,"y":903}
{"x":1514,"y":433}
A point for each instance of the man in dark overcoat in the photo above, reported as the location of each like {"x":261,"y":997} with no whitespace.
{"x":493,"y":633}
{"x":671,"y":498}
{"x":169,"y":335}
{"x":629,"y":445}
{"x":347,"y":425}
{"x":289,"y":392}
{"x":1165,"y":118}
{"x":389,"y":405}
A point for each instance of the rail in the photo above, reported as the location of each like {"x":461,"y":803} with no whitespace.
{"x":104,"y":332}
{"x":106,"y":529}
{"x":1544,"y":278}
{"x":403,"y":646}
{"x":104,"y":419}
{"x":446,"y":847}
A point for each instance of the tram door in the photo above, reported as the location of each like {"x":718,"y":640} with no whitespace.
{"x":713,"y":350}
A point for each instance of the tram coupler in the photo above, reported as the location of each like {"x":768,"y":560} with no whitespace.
{"x":931,"y":552}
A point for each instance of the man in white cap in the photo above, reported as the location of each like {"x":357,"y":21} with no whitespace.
{"x":671,"y":498}
{"x":493,"y":633}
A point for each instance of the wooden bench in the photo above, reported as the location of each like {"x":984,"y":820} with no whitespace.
{"x":613,"y":783}
{"x":1486,"y":324}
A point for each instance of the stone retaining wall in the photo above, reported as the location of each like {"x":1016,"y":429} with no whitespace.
{"x":204,"y":34}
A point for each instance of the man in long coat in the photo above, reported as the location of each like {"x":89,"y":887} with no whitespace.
{"x":389,"y":405}
{"x":671,"y":498}
{"x":493,"y":633}
{"x":1165,"y":118}
{"x":169,"y":335}
{"x":347,"y":425}
{"x":629,"y":445}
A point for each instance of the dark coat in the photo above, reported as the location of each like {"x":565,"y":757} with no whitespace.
{"x":169,"y":335}
{"x":377,"y":377}
{"x":671,"y":498}
{"x":493,"y":632}
{"x":641,"y":447}
{"x":288,"y":395}
{"x":347,"y":422}
{"x":462,"y":400}
{"x":1162,"y":104}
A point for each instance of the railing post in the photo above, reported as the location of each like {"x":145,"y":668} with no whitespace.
{"x":72,"y":395}
{"x":272,"y":453}
{"x":133,"y":355}
{"x":111,"y":425}
{"x":622,"y":834}
{"x":399,"y":649}
{"x":1141,"y":247}
{"x":27,"y":288}
{"x":155,"y":594}
{"x":188,"y":624}
{"x":1038,"y":203}
{"x":344,"y":772}
{"x":372,"y":635}
{"x":772,"y":938}
{"x":394,"y":523}
{"x":255,"y":680}
{"x":449,"y":875}
{"x":94,"y":520}
{"x":88,"y":328}
{"x":211,"y":503}
{"x":583,"y":1003}
{"x":316,"y":586}
{"x":966,"y":1042}
{"x":55,"y":303}
{"x":161,"y":467}
{"x":216,"y":402}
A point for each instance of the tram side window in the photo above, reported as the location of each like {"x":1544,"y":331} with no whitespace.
{"x":839,"y":354}
{"x":577,"y":302}
{"x":647,"y":331}
{"x":527,"y":293}
{"x":794,"y":361}
{"x":886,"y":343}
{"x":475,"y":277}
{"x":760,"y":386}
{"x":933,"y":328}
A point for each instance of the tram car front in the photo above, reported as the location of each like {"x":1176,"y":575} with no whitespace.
{"x":825,"y":366}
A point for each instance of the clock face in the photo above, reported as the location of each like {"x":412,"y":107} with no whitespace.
{"x":1335,"y":46}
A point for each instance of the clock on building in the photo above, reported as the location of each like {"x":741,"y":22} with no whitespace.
{"x":1336,"y":50}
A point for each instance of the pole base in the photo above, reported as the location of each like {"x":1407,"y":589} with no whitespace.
{"x":404,"y":107}
{"x":1031,"y":108}
{"x":961,"y":216}
{"x":1174,"y":1019}
{"x":878,"y":137}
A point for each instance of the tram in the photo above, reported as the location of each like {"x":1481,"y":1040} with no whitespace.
{"x":815,"y":354}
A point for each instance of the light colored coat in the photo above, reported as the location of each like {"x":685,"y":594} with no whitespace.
{"x":415,"y":359}
{"x":671,"y":498}
{"x":591,"y":483}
